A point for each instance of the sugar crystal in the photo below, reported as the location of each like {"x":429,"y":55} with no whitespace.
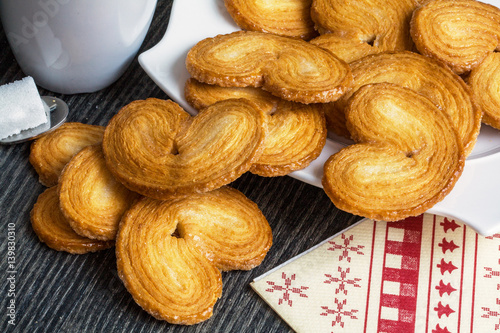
{"x":21,"y":107}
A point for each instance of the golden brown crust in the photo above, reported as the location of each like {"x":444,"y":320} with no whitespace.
{"x":53,"y":229}
{"x":50,"y":153}
{"x":201,"y":95}
{"x":297,"y":135}
{"x":484,"y":81}
{"x":90,"y":198}
{"x":425,"y":75}
{"x":402,"y":166}
{"x":461,"y":33}
{"x":345,"y":47}
{"x":155,"y":148}
{"x":291,"y":69}
{"x":296,"y":132}
{"x":168,"y":251}
{"x":284,"y":18}
{"x":353,"y":29}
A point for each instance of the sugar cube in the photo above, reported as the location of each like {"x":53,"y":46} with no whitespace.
{"x":21,"y":107}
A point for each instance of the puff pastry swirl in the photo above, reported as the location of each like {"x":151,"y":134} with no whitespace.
{"x":284,"y":18}
{"x":296,"y":132}
{"x":425,"y":75}
{"x":353,"y":29}
{"x":53,"y":229}
{"x":157,"y":149}
{"x":50,"y":153}
{"x":484,"y":81}
{"x":399,"y":168}
{"x":90,"y":198}
{"x":169,"y":252}
{"x":291,"y":69}
{"x":461,"y":33}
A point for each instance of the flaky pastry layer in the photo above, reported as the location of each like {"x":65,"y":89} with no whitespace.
{"x":402,"y":166}
{"x":291,"y":69}
{"x":484,"y":81}
{"x":285,"y":18}
{"x":461,"y":33}
{"x":50,"y":153}
{"x":53,"y":229}
{"x":90,"y":198}
{"x":168,"y":252}
{"x":425,"y":75}
{"x":157,"y":149}
{"x":296,"y":132}
{"x":353,"y":29}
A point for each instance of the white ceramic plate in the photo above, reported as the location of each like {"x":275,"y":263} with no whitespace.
{"x":475,"y":199}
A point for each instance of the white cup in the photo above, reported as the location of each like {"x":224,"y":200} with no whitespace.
{"x":75,"y":46}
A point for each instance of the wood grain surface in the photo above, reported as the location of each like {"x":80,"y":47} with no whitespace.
{"x":60,"y":292}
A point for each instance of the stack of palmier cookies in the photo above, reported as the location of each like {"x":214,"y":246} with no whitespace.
{"x":405,"y":80}
{"x":153,"y":183}
{"x":414,"y":69}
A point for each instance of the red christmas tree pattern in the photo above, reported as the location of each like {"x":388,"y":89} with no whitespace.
{"x":346,"y":247}
{"x":446,"y":266}
{"x":445,"y":245}
{"x":443,"y":310}
{"x":339,"y":313}
{"x":447,"y":225}
{"x":287,"y":289}
{"x":440,"y":330}
{"x":343,"y":281}
{"x":445,"y":288}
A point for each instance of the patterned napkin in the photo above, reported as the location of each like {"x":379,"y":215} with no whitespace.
{"x":424,"y":274}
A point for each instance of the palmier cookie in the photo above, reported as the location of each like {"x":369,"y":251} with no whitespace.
{"x":291,"y":69}
{"x":461,"y":33}
{"x":354,"y":29}
{"x":53,"y":229}
{"x":399,"y":168}
{"x":50,"y":153}
{"x":90,"y":198}
{"x":284,"y":18}
{"x":484,"y":81}
{"x":169,"y":252}
{"x":157,"y":149}
{"x":296,"y":132}
{"x":425,"y":75}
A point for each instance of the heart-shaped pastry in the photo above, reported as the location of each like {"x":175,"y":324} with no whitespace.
{"x":53,"y":229}
{"x":296,"y":132}
{"x":157,"y":149}
{"x":484,"y":81}
{"x":425,"y":75}
{"x":400,"y":167}
{"x":285,"y":18}
{"x":90,"y":198}
{"x":289,"y":68}
{"x":354,"y":29}
{"x":169,"y":252}
{"x":50,"y":153}
{"x":461,"y":33}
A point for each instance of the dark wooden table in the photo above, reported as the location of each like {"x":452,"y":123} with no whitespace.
{"x":60,"y":292}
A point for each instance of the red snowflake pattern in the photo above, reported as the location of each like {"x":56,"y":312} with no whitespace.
{"x":346,"y":247}
{"x":492,"y":314}
{"x":343,"y":281}
{"x":287,"y":289}
{"x":491,"y":273}
{"x":339,"y":312}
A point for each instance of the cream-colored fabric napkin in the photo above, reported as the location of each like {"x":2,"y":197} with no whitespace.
{"x":424,"y":274}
